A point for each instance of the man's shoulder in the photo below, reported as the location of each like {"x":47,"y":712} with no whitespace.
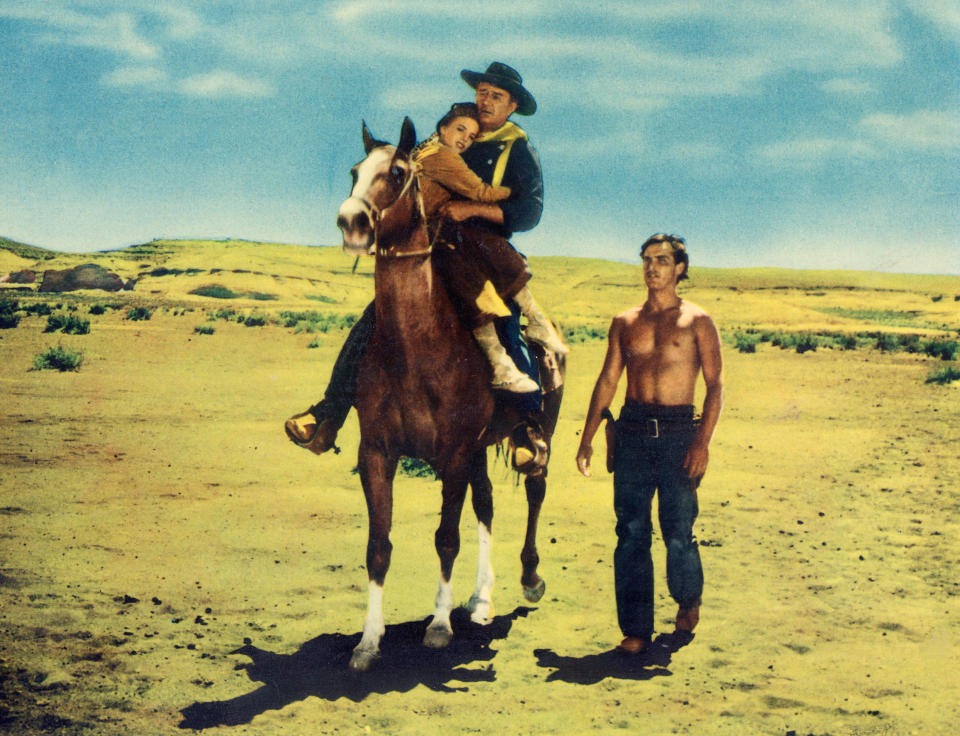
{"x":694,"y":311}
{"x":629,"y":316}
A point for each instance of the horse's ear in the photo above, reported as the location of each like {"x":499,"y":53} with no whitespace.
{"x":408,"y":137}
{"x":369,"y":142}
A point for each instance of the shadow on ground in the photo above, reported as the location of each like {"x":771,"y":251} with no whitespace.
{"x":320,"y":669}
{"x":593,"y":668}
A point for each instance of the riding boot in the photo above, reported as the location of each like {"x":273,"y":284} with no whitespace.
{"x":506,"y":375}
{"x":539,"y":328}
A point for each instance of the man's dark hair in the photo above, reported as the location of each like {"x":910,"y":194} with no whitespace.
{"x":677,"y":244}
{"x":459,"y":110}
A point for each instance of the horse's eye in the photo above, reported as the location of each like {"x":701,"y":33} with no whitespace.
{"x":396,"y":172}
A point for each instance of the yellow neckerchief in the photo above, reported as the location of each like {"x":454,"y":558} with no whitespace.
{"x":508,"y":133}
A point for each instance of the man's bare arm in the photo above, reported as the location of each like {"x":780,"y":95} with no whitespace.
{"x":711,"y":363}
{"x":603,"y":393}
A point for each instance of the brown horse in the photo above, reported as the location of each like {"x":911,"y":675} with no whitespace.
{"x":423,"y":391}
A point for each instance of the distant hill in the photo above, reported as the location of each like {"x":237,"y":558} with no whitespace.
{"x":576,"y":292}
{"x":26,"y":251}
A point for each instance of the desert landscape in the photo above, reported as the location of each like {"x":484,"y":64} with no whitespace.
{"x":171,"y":562}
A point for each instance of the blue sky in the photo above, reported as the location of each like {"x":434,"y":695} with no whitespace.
{"x":803,"y":134}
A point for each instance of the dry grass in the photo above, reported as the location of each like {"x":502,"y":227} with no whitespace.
{"x":156,"y":518}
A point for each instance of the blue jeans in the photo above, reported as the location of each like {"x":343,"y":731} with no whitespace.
{"x":643,"y":465}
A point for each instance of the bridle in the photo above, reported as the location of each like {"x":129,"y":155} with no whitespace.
{"x":376,"y":214}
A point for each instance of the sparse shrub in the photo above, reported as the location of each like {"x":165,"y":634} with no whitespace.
{"x":225,"y":314}
{"x":254,"y":320}
{"x":97,"y":309}
{"x":322,"y":298}
{"x":58,"y":358}
{"x":847,"y":342}
{"x":909,"y":343}
{"x":807,"y":343}
{"x":936,"y":298}
{"x":746,"y":342}
{"x":310,"y":322}
{"x":215,"y":291}
{"x":944,"y":375}
{"x":41,"y":309}
{"x":943,"y":349}
{"x":314,"y":343}
{"x":583,"y":333}
{"x":204,"y":329}
{"x":885,"y":342}
{"x":261,"y":296}
{"x":416,"y":468}
{"x":68,"y":324}
{"x":8,"y":314}
{"x":139,"y":313}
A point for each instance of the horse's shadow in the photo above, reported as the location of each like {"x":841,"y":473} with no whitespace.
{"x":320,"y":669}
{"x":592,"y":668}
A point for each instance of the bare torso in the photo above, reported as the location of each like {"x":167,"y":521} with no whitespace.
{"x":660,"y":352}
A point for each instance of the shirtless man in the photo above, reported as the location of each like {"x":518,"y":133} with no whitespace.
{"x":664,"y":344}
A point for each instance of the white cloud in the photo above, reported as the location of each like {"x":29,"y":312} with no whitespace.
{"x":925,"y":129}
{"x":809,"y":152}
{"x":945,"y":14}
{"x":116,"y":32}
{"x":847,"y":86}
{"x":220,"y":84}
{"x":135,"y":76}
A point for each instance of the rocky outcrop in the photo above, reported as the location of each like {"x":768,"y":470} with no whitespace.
{"x":88,"y":276}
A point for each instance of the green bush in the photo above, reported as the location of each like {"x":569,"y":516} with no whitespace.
{"x":944,"y":375}
{"x":885,"y":342}
{"x":314,"y":343}
{"x":225,"y":314}
{"x":58,"y":358}
{"x":8,"y":314}
{"x":214,"y":291}
{"x":416,"y":468}
{"x":943,"y":349}
{"x":139,"y":313}
{"x":583,"y":333}
{"x":806,"y":343}
{"x":254,"y":320}
{"x":847,"y":342}
{"x":68,"y":324}
{"x":204,"y":329}
{"x":41,"y":309}
{"x":97,"y":309}
{"x":260,"y":296}
{"x":746,"y":342}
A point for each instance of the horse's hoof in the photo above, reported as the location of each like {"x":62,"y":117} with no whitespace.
{"x":437,"y":638}
{"x":363,"y":659}
{"x":535,"y":593}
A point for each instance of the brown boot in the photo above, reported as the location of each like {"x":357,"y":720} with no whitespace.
{"x":633,"y":645}
{"x":304,"y":430}
{"x":687,"y":618}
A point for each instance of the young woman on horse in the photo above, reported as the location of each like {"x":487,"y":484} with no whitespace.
{"x":482,"y":270}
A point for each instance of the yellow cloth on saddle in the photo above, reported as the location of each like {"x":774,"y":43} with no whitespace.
{"x":508,"y":133}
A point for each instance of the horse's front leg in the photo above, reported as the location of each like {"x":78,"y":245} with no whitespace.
{"x":481,"y":602}
{"x":533,"y":584}
{"x":376,"y":475}
{"x":440,"y":632}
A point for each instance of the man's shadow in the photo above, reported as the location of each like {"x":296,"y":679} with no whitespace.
{"x":320,"y":668}
{"x":592,"y":668}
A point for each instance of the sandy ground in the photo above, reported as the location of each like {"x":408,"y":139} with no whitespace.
{"x":170,"y":561}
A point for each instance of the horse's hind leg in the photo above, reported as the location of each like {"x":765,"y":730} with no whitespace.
{"x":533,"y":584}
{"x":440,"y":632}
{"x":481,"y":602}
{"x":376,"y":475}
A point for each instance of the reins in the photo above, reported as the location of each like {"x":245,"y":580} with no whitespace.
{"x":411,"y":182}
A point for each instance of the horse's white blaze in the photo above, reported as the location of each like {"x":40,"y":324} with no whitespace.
{"x":443,"y":606}
{"x":373,"y":627}
{"x":369,"y":168}
{"x":481,"y":602}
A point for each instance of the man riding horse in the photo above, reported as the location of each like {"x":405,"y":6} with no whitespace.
{"x":501,"y":155}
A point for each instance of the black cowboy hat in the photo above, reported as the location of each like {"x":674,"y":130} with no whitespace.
{"x":504,"y":77}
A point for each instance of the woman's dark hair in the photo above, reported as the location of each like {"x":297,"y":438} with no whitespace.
{"x":459,"y":110}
